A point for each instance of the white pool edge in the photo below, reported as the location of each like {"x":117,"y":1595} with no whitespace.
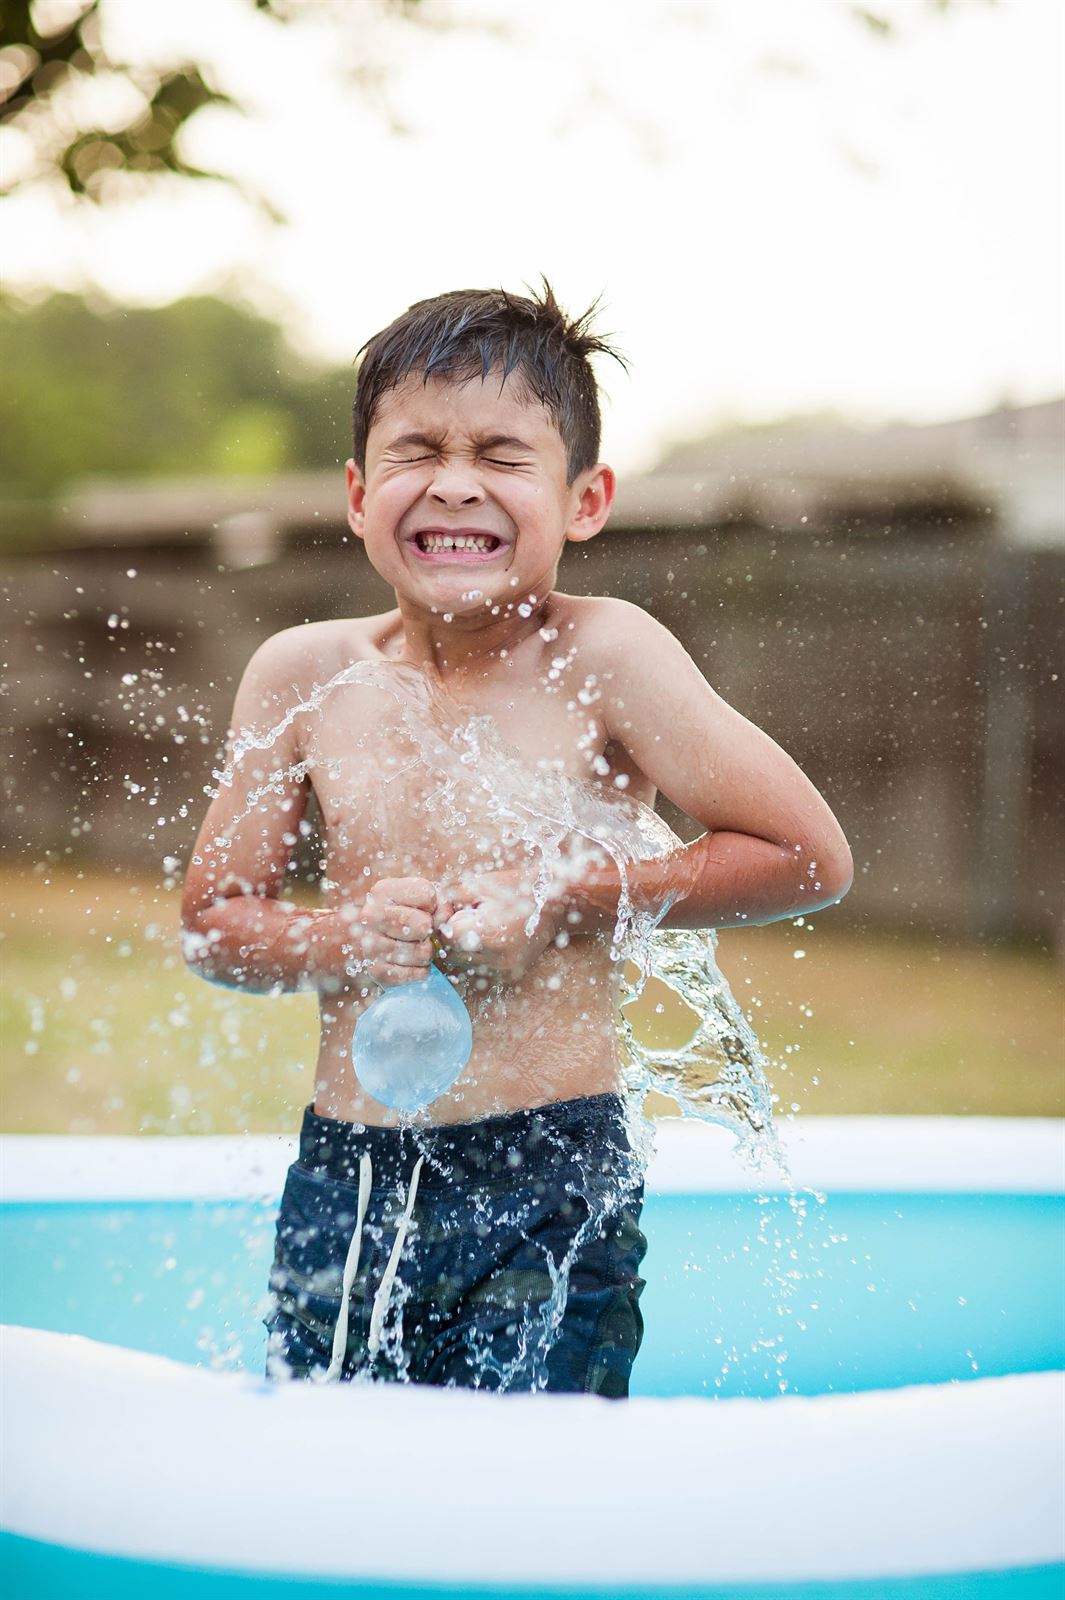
{"x":414,"y":1484}
{"x":933,"y":1479}
{"x":897,"y":1155}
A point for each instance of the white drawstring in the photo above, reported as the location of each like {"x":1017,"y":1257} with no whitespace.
{"x":351,"y":1269}
{"x":384,"y":1288}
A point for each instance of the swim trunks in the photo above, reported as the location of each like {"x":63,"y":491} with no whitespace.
{"x":502,"y":1254}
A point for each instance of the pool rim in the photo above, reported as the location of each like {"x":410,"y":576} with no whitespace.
{"x":856,"y":1155}
{"x":859,"y":1469}
{"x":832,"y":1155}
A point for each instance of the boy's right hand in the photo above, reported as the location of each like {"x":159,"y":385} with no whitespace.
{"x":391,"y":931}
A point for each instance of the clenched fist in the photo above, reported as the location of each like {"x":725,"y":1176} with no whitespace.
{"x":484,"y":923}
{"x":391,"y":931}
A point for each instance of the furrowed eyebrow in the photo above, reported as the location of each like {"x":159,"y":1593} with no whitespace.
{"x":488,"y":441}
{"x":406,"y":440}
{"x":502,"y":441}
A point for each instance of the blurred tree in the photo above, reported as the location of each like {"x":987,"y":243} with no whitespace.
{"x":201,"y":385}
{"x":50,"y":49}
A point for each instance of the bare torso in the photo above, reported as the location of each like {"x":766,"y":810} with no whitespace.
{"x":549,"y":1035}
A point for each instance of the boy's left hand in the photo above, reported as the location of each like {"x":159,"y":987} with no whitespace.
{"x":482,"y":918}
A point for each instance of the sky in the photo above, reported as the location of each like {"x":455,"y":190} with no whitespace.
{"x":782,"y":212}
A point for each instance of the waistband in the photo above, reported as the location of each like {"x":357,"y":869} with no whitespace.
{"x":586,"y":1135}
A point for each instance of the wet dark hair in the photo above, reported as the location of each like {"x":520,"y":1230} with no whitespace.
{"x":469,"y":333}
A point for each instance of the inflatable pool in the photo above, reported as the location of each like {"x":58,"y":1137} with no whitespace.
{"x":852,"y":1397}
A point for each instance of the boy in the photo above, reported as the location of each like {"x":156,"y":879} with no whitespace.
{"x":496,"y":1242}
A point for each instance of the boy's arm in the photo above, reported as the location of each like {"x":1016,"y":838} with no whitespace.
{"x":236,"y":930}
{"x":773,"y":848}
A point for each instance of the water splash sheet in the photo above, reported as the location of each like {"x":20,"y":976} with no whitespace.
{"x":560,"y":824}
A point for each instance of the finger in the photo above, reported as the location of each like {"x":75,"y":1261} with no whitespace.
{"x":460,"y":898}
{"x":403,"y":922}
{"x":409,"y":955}
{"x":458,"y":960}
{"x":470,"y":887}
{"x":517,"y":898}
{"x":390,"y":976}
{"x":417,"y":892}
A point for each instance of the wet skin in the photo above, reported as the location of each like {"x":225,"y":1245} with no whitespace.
{"x":542,"y":1032}
{"x":591,"y":688}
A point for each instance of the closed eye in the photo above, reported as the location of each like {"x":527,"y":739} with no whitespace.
{"x":495,"y":461}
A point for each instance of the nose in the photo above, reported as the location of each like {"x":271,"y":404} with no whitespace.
{"x":455,"y":486}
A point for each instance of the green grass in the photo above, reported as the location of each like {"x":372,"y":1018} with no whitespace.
{"x":103,"y":1029}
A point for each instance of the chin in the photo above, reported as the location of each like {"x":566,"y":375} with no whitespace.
{"x":476,"y":605}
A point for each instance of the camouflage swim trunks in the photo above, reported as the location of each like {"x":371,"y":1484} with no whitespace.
{"x":502,"y":1254}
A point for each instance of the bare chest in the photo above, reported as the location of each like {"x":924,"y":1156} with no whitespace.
{"x":412,"y":783}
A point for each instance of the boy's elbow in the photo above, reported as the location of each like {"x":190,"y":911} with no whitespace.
{"x":197,"y":949}
{"x":191,"y":924}
{"x":841,"y":887}
{"x":199,"y":937}
{"x":834,"y":874}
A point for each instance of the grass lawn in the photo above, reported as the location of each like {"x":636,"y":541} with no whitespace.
{"x":103,"y":1030}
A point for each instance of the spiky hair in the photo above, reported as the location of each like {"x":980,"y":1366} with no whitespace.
{"x":470,"y":333}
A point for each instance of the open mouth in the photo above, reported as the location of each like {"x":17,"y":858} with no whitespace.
{"x":453,"y":546}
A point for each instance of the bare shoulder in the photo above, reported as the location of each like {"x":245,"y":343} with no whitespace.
{"x":644,"y":677}
{"x":287,"y":667}
{"x":313,"y":652}
{"x":610,"y":633}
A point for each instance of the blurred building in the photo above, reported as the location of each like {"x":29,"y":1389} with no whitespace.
{"x":887,"y":604}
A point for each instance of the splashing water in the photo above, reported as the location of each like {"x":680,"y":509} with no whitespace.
{"x":561,"y":824}
{"x":719,"y":1074}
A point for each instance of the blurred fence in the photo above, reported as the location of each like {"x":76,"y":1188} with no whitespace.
{"x":888,"y":607}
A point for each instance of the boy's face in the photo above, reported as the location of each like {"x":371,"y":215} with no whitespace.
{"x":464,"y":503}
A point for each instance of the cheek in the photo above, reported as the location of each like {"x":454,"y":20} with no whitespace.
{"x":389,"y":500}
{"x":531,"y":503}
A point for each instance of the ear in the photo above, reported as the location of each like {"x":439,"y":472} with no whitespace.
{"x":356,"y":500}
{"x":594,"y":491}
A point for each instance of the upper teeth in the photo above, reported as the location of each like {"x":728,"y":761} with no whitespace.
{"x":457,"y":541}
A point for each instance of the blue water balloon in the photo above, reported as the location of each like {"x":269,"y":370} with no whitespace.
{"x":412,"y":1042}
